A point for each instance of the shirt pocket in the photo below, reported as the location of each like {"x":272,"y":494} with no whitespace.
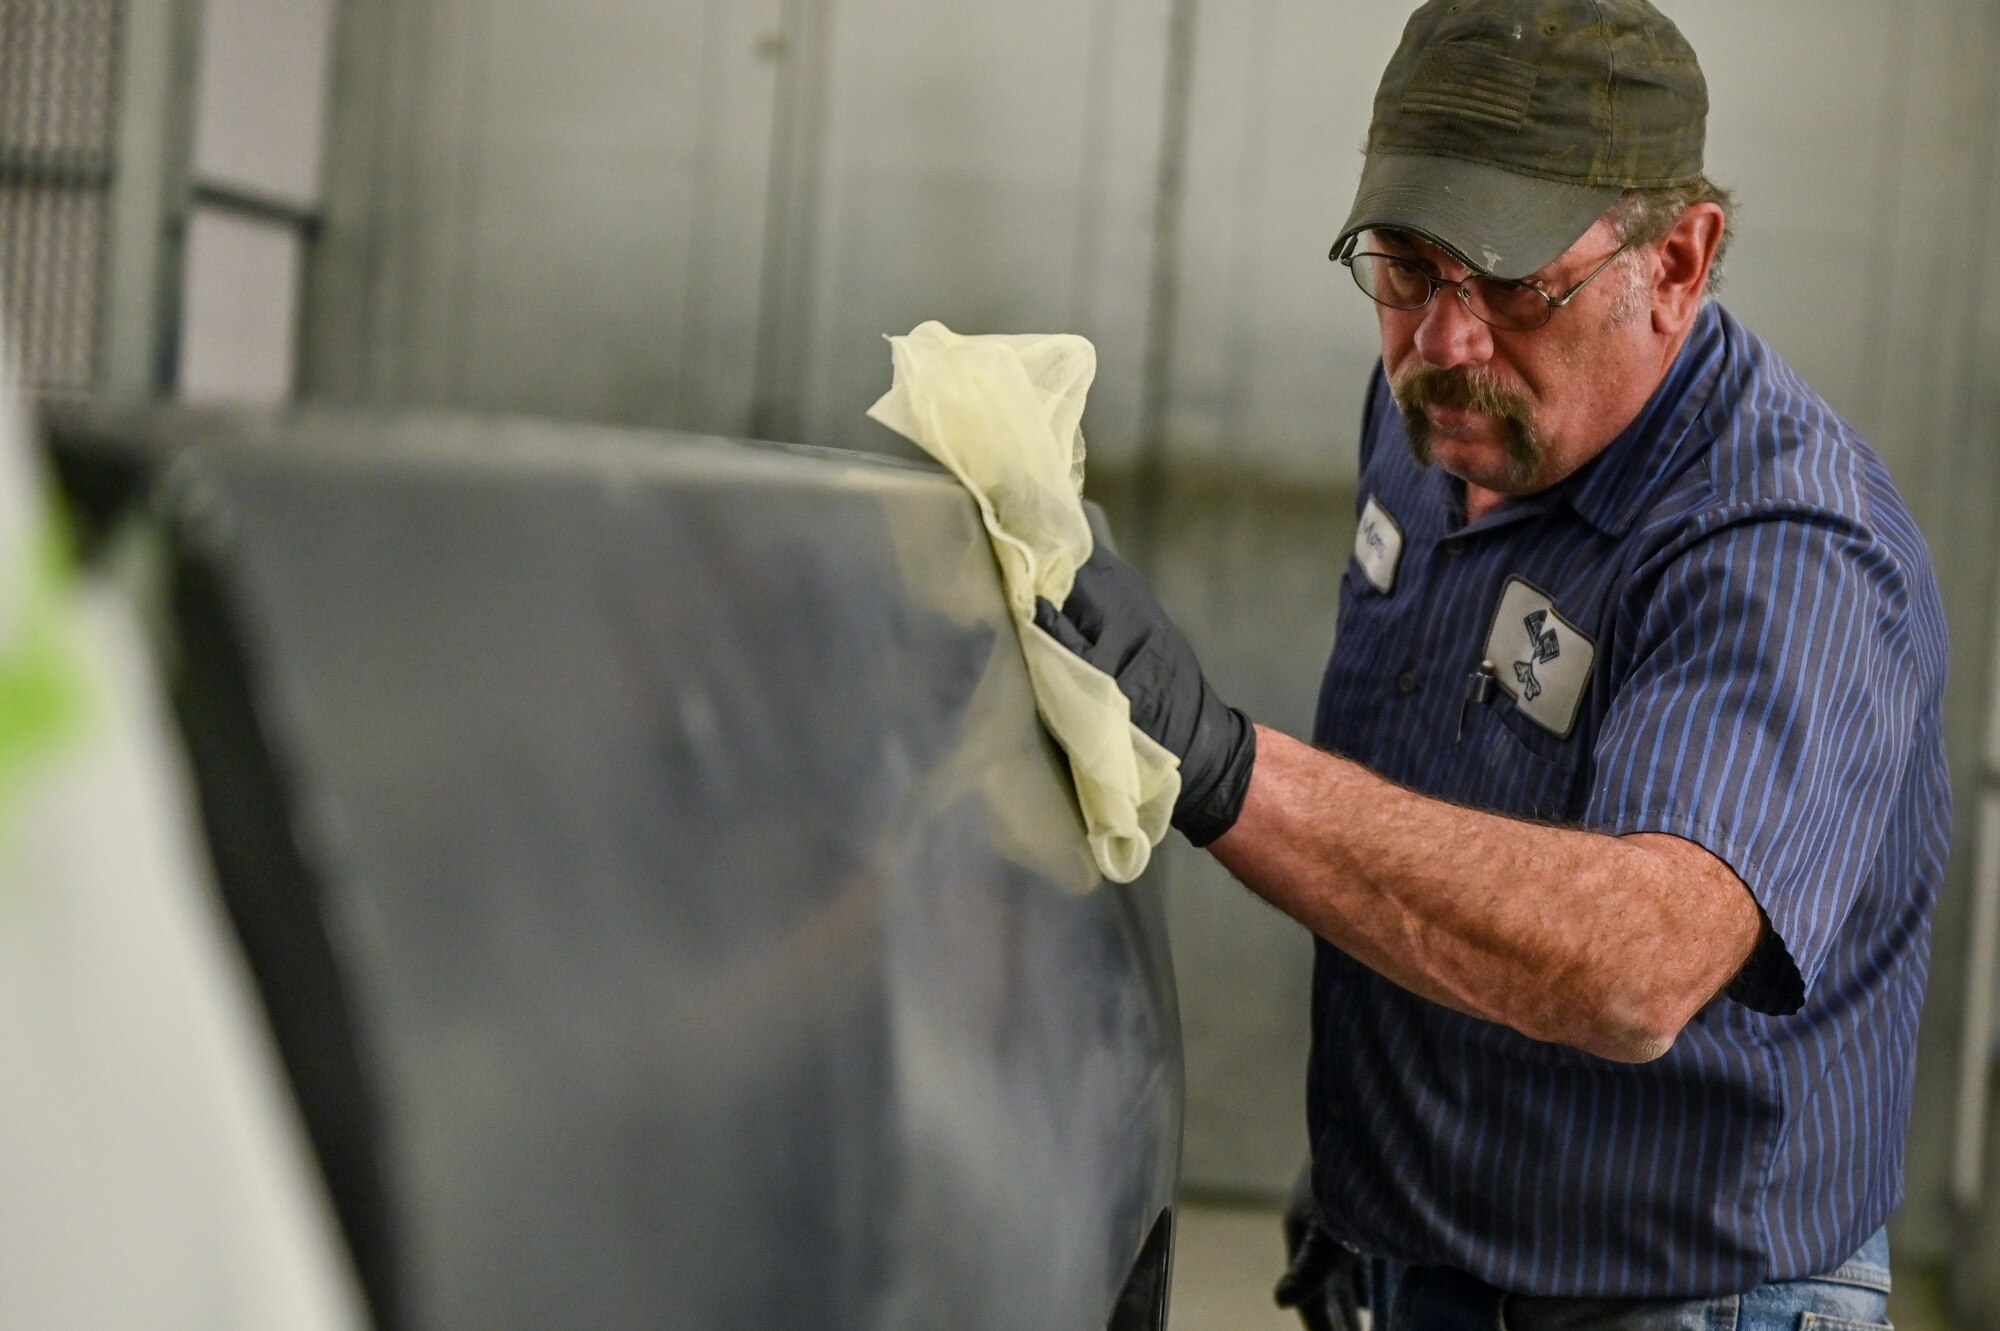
{"x":1511,"y":766}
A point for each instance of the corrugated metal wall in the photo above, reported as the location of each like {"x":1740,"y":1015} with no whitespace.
{"x":576,"y":217}
{"x":58,"y":118}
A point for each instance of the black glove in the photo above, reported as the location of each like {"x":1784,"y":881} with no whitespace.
{"x":1327,"y":1282}
{"x":1113,"y":622}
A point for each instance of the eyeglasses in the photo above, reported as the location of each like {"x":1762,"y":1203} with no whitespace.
{"x":1407,"y":284}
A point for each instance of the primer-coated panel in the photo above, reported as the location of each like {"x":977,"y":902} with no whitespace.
{"x":720,"y":933}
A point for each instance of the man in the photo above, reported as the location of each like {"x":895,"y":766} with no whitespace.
{"x":1627,"y":802}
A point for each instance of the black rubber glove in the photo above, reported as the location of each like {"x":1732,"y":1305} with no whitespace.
{"x":1112,"y":621}
{"x":1326,"y":1282}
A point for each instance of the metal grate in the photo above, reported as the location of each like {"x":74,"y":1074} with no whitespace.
{"x":58,"y":111}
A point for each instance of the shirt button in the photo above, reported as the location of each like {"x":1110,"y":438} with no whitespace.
{"x":1406,"y":682}
{"x":1454,"y":547}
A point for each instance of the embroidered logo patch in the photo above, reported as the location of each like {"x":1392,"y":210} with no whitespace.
{"x":1378,"y":546}
{"x":1542,"y":659}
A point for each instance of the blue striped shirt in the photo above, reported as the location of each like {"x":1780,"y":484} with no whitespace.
{"x":1726,"y":628}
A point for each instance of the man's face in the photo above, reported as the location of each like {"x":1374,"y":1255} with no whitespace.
{"x":1515,"y":412}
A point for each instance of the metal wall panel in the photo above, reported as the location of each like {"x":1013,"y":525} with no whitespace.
{"x":1274,"y":346}
{"x":573,"y":218}
{"x":543,"y":213}
{"x":992,"y":166}
{"x":565,"y":212}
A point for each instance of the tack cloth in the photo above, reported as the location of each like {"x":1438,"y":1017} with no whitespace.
{"x":1004,"y":415}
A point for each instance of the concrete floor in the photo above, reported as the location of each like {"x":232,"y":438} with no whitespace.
{"x":1225,"y":1261}
{"x":1227,"y":1258}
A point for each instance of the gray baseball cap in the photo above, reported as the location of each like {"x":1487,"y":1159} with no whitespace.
{"x":1504,"y":129}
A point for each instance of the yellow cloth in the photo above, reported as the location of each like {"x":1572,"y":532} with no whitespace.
{"x":1003,"y":413}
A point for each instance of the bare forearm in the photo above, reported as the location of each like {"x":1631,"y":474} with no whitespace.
{"x":1606,"y":943}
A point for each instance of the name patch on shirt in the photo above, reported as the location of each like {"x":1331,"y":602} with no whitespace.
{"x":1378,"y":546}
{"x":1539,"y":657}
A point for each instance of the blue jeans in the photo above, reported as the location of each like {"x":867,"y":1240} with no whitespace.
{"x":1855,"y":1297}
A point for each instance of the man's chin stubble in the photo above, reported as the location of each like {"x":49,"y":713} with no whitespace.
{"x":1509,"y":479}
{"x":1523,"y":452}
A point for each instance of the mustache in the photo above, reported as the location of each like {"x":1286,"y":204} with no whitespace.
{"x":1473,"y":390}
{"x":1470,"y":390}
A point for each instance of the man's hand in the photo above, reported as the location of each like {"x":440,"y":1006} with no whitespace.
{"x":1325,"y":1281}
{"x":1112,"y":621}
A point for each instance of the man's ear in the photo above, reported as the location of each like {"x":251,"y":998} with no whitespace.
{"x":1685,"y":256}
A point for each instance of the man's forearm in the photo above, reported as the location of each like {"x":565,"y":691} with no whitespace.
{"x":1606,"y":943}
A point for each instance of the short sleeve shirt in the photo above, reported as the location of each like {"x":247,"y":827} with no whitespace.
{"x":1726,"y":628}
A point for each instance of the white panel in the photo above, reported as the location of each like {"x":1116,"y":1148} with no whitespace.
{"x":157,"y":1173}
{"x":261,"y":102}
{"x":239,"y":311}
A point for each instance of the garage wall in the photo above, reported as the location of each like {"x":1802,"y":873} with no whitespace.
{"x":541,"y":210}
{"x":575,"y":217}
{"x":992,"y":166}
{"x":705,"y":213}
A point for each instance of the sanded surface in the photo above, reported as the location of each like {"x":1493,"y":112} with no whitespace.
{"x":722,"y":938}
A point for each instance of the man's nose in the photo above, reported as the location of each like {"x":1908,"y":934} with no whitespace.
{"x":1450,"y":334}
